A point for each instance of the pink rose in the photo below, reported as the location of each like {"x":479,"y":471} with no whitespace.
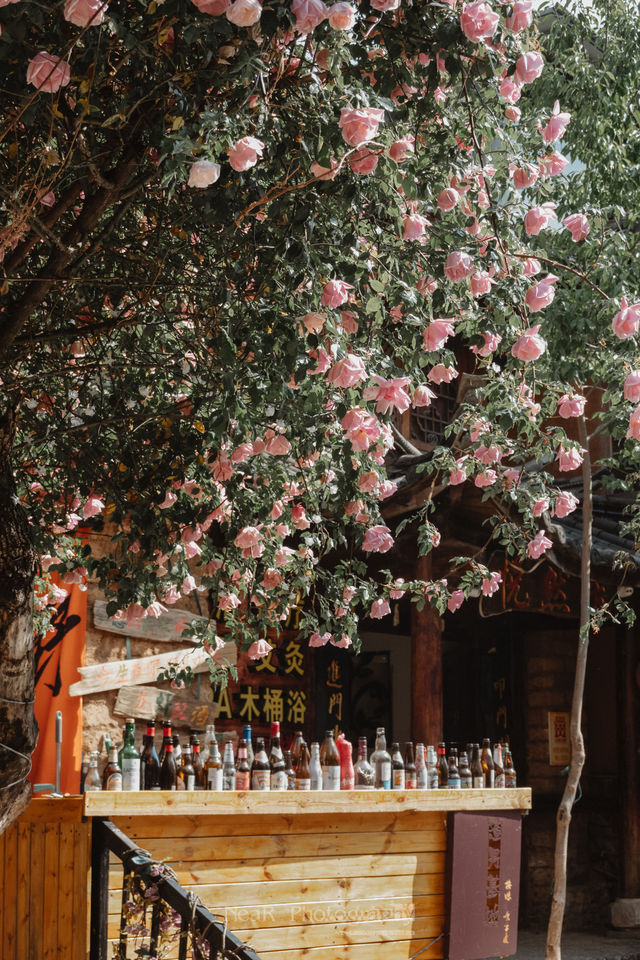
{"x":513,"y":113}
{"x":244,"y":13}
{"x":248,"y":537}
{"x":627,"y":319}
{"x":491,"y":342}
{"x":213,"y":7}
{"x":556,"y":126}
{"x":539,"y":506}
{"x":228,"y":601}
{"x":400,"y":149}
{"x":552,"y":165}
{"x":442,"y":374}
{"x":509,"y":90}
{"x":577,"y":225}
{"x":48,"y":73}
{"x":455,"y":601}
{"x":538,"y":218}
{"x":422,"y":396}
{"x":632,"y":386}
{"x":524,"y":176}
{"x":565,"y":504}
{"x":389,"y":394}
{"x":488,"y":454}
{"x":458,"y":473}
{"x":335,"y":293}
{"x":529,"y":67}
{"x":379,"y":609}
{"x":541,"y":294}
{"x":458,"y":266}
{"x":299,"y":517}
{"x":571,"y":405}
{"x":539,"y":545}
{"x":377,"y":539}
{"x":398,"y":590}
{"x":85,"y":13}
{"x":633,"y":433}
{"x":312,"y":322}
{"x":342,"y":16}
{"x":346,"y":373}
{"x":343,"y":642}
{"x":278,"y":446}
{"x":486,"y":478}
{"x":414,"y":226}
{"x":491,"y":584}
{"x":245,"y":152}
{"x":92,"y":507}
{"x":521,"y":16}
{"x":568,"y":459}
{"x":360,"y":126}
{"x":361,"y":427}
{"x":258,"y":650}
{"x":532,"y":267}
{"x":325,"y":173}
{"x":203,"y":173}
{"x":437,"y":332}
{"x":529,"y":346}
{"x":481,"y":283}
{"x":309,"y":14}
{"x":478,"y":21}
{"x":320,"y":640}
{"x":447,"y":199}
{"x":383,"y":6}
{"x":363,"y":161}
{"x":48,"y":199}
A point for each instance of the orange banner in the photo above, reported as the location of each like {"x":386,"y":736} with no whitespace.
{"x":57,"y":658}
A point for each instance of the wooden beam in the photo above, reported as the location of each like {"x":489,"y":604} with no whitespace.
{"x":630,"y":758}
{"x":426,"y":667}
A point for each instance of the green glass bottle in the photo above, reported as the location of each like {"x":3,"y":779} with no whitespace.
{"x":130,"y":763}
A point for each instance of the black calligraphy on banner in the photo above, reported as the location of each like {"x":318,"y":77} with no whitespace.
{"x":48,"y":647}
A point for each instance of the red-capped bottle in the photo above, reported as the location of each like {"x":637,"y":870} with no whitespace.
{"x":347,"y":773}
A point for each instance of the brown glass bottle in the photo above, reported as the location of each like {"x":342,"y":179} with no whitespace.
{"x":298,"y":740}
{"x":477,"y":773}
{"x":168,"y":772}
{"x":443,"y":766}
{"x":488,"y":769}
{"x":410,"y":775}
{"x":196,"y":759}
{"x":149,"y":762}
{"x":453,"y":773}
{"x":166,"y":737}
{"x":260,"y":773}
{"x":278,"y":772}
{"x":397,"y":768}
{"x":466,"y":779}
{"x":330,"y":762}
{"x":112,"y":774}
{"x":186,"y":772}
{"x":243,"y":770}
{"x":498,"y":776}
{"x":213,"y":767}
{"x":303,"y":775}
{"x":510,"y":779}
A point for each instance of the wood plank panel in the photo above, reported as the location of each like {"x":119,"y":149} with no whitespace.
{"x":81,"y":840}
{"x":398,"y":950}
{"x":36,"y":892}
{"x":335,"y":934}
{"x":3,"y":839}
{"x":54,"y":810}
{"x":51,"y":890}
{"x":23,"y":869}
{"x":67,"y":893}
{"x":9,"y":895}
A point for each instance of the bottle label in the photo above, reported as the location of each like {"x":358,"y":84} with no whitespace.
{"x":499,"y":782}
{"x":303,"y":784}
{"x":384,"y":774}
{"x":279,"y":780}
{"x":478,"y":783}
{"x":191,"y":781}
{"x":331,"y":778}
{"x":411,"y":783}
{"x":291,"y":780}
{"x":364,"y":786}
{"x":114,"y":781}
{"x":398,"y":779}
{"x":454,"y":783}
{"x":466,"y":782}
{"x":489,"y":778}
{"x":422,"y":780}
{"x":243,"y":780}
{"x":214,"y":778}
{"x":260,"y":780}
{"x":131,"y":774}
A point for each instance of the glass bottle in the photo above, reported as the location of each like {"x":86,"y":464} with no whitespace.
{"x":397,"y":768}
{"x":410,"y":773}
{"x":177,"y":750}
{"x":214,"y":767}
{"x":84,"y":769}
{"x":197,"y":761}
{"x":330,"y":762}
{"x":432,"y":768}
{"x":260,"y":771}
{"x":315,"y":770}
{"x":498,"y":777}
{"x":166,"y":737}
{"x":303,"y":776}
{"x":443,"y":766}
{"x":210,"y":734}
{"x":453,"y":774}
{"x":228,"y":768}
{"x":298,"y":740}
{"x":422,"y":776}
{"x":246,"y":736}
{"x":112,"y":774}
{"x":381,"y":762}
{"x":274,"y":731}
{"x":278,"y":772}
{"x":363,"y":771}
{"x":488,"y":768}
{"x":130,"y":764}
{"x":345,"y":752}
{"x":243,"y":770}
{"x":121,"y":747}
{"x":93,"y":780}
{"x":168,"y":771}
{"x":510,"y":778}
{"x":290,"y":772}
{"x":477,"y":773}
{"x":466,"y":780}
{"x":186,"y":777}
{"x":149,"y":762}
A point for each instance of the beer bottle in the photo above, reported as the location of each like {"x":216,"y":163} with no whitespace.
{"x":92,"y":780}
{"x":498,"y":777}
{"x":130,"y":758}
{"x":168,"y":771}
{"x":330,"y":762}
{"x":214,"y":767}
{"x":466,"y":780}
{"x":84,"y":770}
{"x":315,"y":769}
{"x":488,"y":769}
{"x":197,"y":761}
{"x":260,"y":771}
{"x":246,"y":736}
{"x":363,"y":771}
{"x":149,"y":763}
{"x":510,"y":779}
{"x":112,"y":774}
{"x":274,"y":732}
{"x":243,"y":770}
{"x":453,"y":774}
{"x":477,"y":773}
{"x":347,"y":773}
{"x":210,"y":734}
{"x":397,"y":768}
{"x":228,"y":768}
{"x":166,"y":737}
{"x":186,"y":772}
{"x":469,"y":752}
{"x":288,"y":769}
{"x":381,"y":762}
{"x":410,"y":774}
{"x":277,"y":770}
{"x":121,"y":747}
{"x":443,"y":766}
{"x":177,"y":750}
{"x":432,"y":768}
{"x":303,"y":776}
{"x":298,"y":740}
{"x":422,"y":777}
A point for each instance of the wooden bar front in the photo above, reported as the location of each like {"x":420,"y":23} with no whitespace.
{"x":324,"y":876}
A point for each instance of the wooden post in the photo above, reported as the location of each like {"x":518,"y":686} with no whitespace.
{"x":99,"y":892}
{"x":630,"y":741}
{"x":426,"y":667}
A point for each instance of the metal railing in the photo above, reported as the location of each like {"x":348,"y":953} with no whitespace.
{"x":202,"y":936}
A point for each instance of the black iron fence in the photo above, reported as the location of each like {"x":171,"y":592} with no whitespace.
{"x":156,"y":910}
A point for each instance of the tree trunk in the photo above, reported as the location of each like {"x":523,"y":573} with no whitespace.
{"x":563,"y":817}
{"x":18,"y":729}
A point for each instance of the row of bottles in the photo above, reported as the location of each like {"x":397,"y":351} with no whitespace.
{"x":323,"y":767}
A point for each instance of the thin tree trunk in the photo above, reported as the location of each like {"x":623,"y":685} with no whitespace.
{"x":18,"y":729}
{"x":563,"y":817}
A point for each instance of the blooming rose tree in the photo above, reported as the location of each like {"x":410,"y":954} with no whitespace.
{"x":239,"y":239}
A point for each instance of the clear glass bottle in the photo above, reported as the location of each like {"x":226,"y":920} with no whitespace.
{"x":246,"y":736}
{"x":510,"y":778}
{"x":243,"y":770}
{"x":228,"y":767}
{"x":130,"y":763}
{"x":210,"y":734}
{"x":488,"y":768}
{"x":347,"y":773}
{"x":93,"y":780}
{"x":260,"y":771}
{"x":315,"y":770}
{"x":112,"y":774}
{"x":466,"y":779}
{"x":477,"y":773}
{"x":432,"y":768}
{"x":498,"y":776}
{"x":330,"y":762}
{"x":186,"y":779}
{"x":298,"y":740}
{"x":410,"y":773}
{"x":422,"y":774}
{"x":278,"y":779}
{"x":177,"y":750}
{"x":397,"y":768}
{"x":380,"y":760}
{"x":364,"y":772}
{"x":288,"y":769}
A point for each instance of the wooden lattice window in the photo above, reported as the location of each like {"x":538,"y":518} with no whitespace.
{"x":427,"y":424}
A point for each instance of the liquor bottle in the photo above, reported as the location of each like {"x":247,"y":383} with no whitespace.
{"x":186,"y":773}
{"x":498,"y":777}
{"x":347,"y":773}
{"x":84,"y":769}
{"x":469,"y":752}
{"x":381,"y":762}
{"x":453,"y":773}
{"x":228,"y":768}
{"x":210,"y":734}
{"x":243,"y":770}
{"x":290,"y":772}
{"x":246,"y":736}
{"x":298,"y":740}
{"x":260,"y":771}
{"x":364,"y":772}
{"x":121,"y":748}
{"x":422,"y":776}
{"x":168,"y":771}
{"x":432,"y":768}
{"x":274,"y":731}
{"x":92,"y":780}
{"x":112,"y":774}
{"x":397,"y":768}
{"x":149,"y":763}
{"x":302,"y":774}
{"x":488,"y":769}
{"x":330,"y":762}
{"x":130,"y":764}
{"x":315,"y":769}
{"x":466,"y":780}
{"x":166,"y":737}
{"x":177,"y":750}
{"x":410,"y":774}
{"x":278,"y":779}
{"x":477,"y":773}
{"x":510,"y":779}
{"x":197,"y":761}
{"x":443,"y":766}
{"x":214,"y":767}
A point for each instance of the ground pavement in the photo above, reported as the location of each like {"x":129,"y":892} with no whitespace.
{"x":581,"y":946}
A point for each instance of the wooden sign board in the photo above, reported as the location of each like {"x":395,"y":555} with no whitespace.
{"x":127,"y":673}
{"x":163,"y":629}
{"x":183,"y":708}
{"x":559,"y":739}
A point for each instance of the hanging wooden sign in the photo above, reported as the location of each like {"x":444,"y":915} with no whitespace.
{"x":181,"y":707}
{"x":166,"y":628}
{"x":127,"y":673}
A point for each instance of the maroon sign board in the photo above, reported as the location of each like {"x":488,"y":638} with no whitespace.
{"x":483,"y":884}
